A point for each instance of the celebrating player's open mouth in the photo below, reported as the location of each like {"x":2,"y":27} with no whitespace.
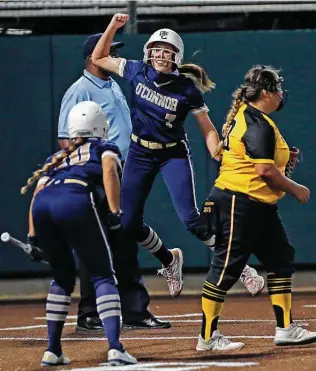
{"x":162,"y":57}
{"x":162,"y":65}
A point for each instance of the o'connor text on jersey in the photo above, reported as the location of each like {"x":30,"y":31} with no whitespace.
{"x":156,"y":98}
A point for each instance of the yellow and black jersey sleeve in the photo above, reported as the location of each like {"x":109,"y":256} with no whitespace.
{"x":254,"y":139}
{"x":259,"y":139}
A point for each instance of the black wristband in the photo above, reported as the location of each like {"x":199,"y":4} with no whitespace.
{"x":31,"y":240}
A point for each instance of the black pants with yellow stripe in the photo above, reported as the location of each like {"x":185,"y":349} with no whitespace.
{"x":247,"y":227}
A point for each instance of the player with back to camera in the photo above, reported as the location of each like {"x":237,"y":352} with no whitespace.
{"x":250,"y":183}
{"x":64,"y":216}
{"x":163,"y":93}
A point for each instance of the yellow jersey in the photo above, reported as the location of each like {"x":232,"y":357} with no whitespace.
{"x":253,"y":139}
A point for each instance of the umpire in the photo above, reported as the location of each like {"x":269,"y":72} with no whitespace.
{"x":96,"y":85}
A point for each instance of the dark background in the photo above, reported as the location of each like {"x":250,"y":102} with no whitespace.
{"x":36,"y":70}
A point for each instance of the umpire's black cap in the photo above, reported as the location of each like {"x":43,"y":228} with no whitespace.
{"x":91,"y":42}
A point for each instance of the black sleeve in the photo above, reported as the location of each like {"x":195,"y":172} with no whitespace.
{"x":259,"y":140}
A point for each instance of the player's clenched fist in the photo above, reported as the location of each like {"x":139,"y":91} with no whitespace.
{"x":119,"y":20}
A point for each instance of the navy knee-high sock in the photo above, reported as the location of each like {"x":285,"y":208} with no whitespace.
{"x":109,"y":309}
{"x":57,"y":306}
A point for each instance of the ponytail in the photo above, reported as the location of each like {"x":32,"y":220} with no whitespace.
{"x":237,"y":101}
{"x":56,"y":161}
{"x":198,"y":75}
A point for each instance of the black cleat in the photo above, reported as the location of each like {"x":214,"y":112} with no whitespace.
{"x":92,"y":324}
{"x":148,"y":323}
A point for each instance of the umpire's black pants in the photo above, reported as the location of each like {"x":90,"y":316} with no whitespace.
{"x":133,"y":294}
{"x":246,"y":226}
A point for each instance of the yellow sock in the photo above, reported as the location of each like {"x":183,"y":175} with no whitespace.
{"x":212,"y":305}
{"x":281,"y":298}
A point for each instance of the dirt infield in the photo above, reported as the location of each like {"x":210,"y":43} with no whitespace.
{"x":23,"y":338}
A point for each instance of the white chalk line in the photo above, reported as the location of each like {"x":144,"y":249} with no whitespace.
{"x":32,"y":327}
{"x":172,"y":321}
{"x":134,"y":338}
{"x":168,"y":366}
{"x":164,"y":316}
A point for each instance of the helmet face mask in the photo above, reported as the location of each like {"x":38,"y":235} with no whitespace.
{"x":169,"y":37}
{"x":163,"y":55}
{"x":87,"y":120}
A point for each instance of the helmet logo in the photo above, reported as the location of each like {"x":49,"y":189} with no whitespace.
{"x":163,"y":35}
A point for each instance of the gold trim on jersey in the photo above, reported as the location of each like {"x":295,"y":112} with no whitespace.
{"x":67,"y":181}
{"x":76,"y":181}
{"x":229,"y":241}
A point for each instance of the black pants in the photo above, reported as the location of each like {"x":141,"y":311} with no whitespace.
{"x":133,"y":294}
{"x":247,"y":227}
{"x":87,"y":305}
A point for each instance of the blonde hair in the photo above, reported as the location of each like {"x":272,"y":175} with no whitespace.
{"x":56,"y":161}
{"x":237,"y":101}
{"x":198,"y":75}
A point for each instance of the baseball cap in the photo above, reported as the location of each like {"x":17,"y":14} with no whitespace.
{"x":91,"y":42}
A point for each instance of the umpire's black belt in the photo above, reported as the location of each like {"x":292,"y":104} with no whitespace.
{"x":152,"y":145}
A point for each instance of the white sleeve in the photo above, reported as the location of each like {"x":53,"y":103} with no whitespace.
{"x":121,"y":67}
{"x":113,"y":155}
{"x":196,"y":111}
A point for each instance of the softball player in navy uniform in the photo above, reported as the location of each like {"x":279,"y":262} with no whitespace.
{"x":245,"y":195}
{"x":163,"y":93}
{"x":96,"y":85}
{"x":64,"y":217}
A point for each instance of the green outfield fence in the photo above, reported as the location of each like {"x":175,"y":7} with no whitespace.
{"x":36,"y":70}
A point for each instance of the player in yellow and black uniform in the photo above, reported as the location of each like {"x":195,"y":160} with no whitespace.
{"x":251,"y":181}
{"x":254,"y":139}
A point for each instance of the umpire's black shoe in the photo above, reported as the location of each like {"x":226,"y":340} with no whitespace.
{"x":148,"y":323}
{"x":92,"y":324}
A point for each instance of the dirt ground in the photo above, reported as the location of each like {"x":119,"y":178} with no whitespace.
{"x":23,"y":338}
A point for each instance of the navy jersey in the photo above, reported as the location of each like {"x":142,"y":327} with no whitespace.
{"x":160,"y":102}
{"x":85,"y":163}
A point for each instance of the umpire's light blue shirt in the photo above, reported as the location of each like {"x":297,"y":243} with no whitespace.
{"x":109,"y":95}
